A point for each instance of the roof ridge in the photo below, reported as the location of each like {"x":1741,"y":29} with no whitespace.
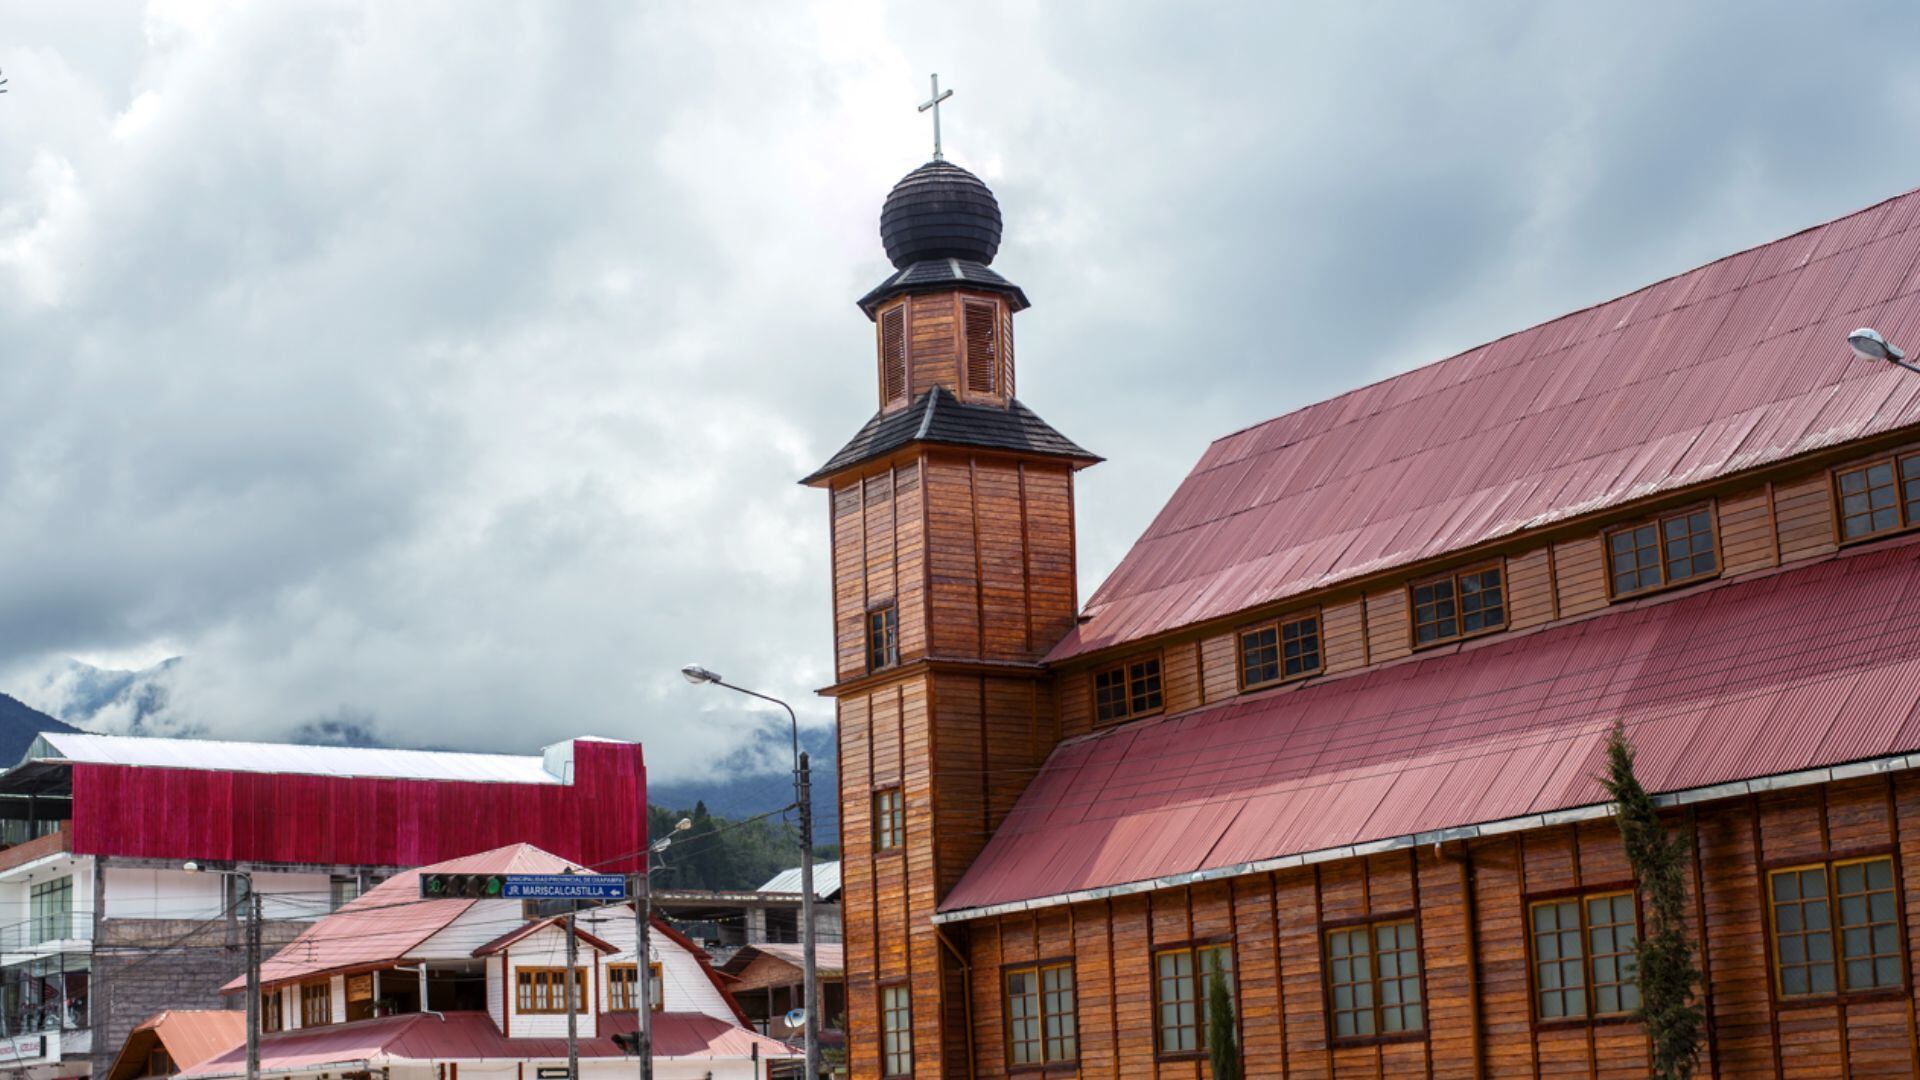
{"x":1529,"y":328}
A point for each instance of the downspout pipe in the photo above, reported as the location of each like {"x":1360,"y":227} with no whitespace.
{"x":423,"y":995}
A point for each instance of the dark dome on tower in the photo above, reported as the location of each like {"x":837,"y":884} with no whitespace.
{"x":940,"y":211}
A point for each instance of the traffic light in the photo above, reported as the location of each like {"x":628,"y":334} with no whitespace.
{"x":462,"y":886}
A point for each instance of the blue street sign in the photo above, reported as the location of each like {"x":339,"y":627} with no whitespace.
{"x":564,"y":887}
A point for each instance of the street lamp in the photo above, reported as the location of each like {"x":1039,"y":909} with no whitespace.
{"x":803,"y":798}
{"x":643,"y":958}
{"x":253,"y":960}
{"x":1868,"y":344}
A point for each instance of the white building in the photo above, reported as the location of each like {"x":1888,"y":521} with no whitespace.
{"x":440,"y":989}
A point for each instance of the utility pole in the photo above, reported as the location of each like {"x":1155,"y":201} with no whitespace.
{"x":643,"y":966}
{"x":253,"y":980}
{"x":809,"y":975}
{"x":573,"y":1004}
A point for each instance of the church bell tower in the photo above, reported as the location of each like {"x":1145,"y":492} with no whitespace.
{"x":953,"y":575}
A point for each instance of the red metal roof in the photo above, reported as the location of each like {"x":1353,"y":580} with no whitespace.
{"x":1798,"y":669}
{"x":472,"y":1036}
{"x":1733,"y":365}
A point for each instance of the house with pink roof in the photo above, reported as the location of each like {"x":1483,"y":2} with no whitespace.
{"x":439,"y":989}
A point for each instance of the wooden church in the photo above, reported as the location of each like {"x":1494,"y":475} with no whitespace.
{"x":1332,"y":728}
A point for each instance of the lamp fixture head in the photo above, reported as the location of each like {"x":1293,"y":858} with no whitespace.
{"x":696,"y":674}
{"x":1868,"y":344}
{"x":190,"y":867}
{"x":683,"y":824}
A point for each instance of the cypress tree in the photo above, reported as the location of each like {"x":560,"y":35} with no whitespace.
{"x":1223,"y":1050}
{"x":1669,"y":1010}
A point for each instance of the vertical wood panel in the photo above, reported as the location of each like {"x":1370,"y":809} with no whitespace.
{"x":1344,"y":628}
{"x":1530,"y":589}
{"x":1219,"y":671}
{"x":1803,"y":514}
{"x":1746,"y":532}
{"x":1387,"y":634}
{"x":1580,"y":576}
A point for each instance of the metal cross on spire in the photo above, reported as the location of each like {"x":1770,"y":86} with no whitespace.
{"x":934,"y":104}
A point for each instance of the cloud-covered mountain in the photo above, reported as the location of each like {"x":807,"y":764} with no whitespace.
{"x":108,"y":700}
{"x":19,"y":723}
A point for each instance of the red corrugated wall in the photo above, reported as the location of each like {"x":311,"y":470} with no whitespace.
{"x":156,"y":813}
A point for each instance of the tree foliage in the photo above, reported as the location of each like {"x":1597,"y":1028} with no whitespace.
{"x":1223,"y":1050}
{"x":720,"y":854}
{"x":1669,"y":1007}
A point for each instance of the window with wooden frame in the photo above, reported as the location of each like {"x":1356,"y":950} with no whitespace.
{"x":1181,"y":978}
{"x":1462,"y":604}
{"x":1373,"y":980}
{"x":889,"y":819}
{"x":883,"y":637}
{"x":1127,"y":690}
{"x":1878,"y":497}
{"x":159,"y":1062}
{"x":273,"y":1010}
{"x":1584,"y":951}
{"x":541,"y":989}
{"x":896,"y":1031}
{"x":1669,"y":550}
{"x":1280,"y":651}
{"x":893,"y":355}
{"x":1805,"y":920}
{"x":1040,"y":1016}
{"x":983,"y":346}
{"x":623,"y":989}
{"x":316,"y":1004}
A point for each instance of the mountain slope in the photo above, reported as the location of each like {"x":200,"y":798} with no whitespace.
{"x":18,"y":726}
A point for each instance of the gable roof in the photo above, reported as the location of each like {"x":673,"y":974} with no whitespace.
{"x":938,"y":417}
{"x":826,"y":881}
{"x":558,"y":922}
{"x":389,"y":920}
{"x":1738,"y":364}
{"x":190,"y":1036}
{"x":1791,"y":670}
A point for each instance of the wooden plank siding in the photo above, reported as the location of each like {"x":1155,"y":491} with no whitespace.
{"x":1470,"y":901}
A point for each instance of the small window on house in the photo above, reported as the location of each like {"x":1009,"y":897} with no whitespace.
{"x":1278,"y":651}
{"x":1668,"y":550}
{"x":1041,"y":1027}
{"x":1373,"y":980}
{"x":1584,"y":955}
{"x":893,"y":354}
{"x":883,"y":637}
{"x":541,"y":990}
{"x":1127,"y":690}
{"x":896,"y":1031}
{"x":983,"y":347}
{"x":889,"y":819}
{"x":316,"y":1004}
{"x":273,"y":1010}
{"x":1181,"y":980}
{"x":623,"y":989}
{"x":1878,"y":497}
{"x":1806,"y":920}
{"x":1462,"y":604}
{"x":159,"y":1062}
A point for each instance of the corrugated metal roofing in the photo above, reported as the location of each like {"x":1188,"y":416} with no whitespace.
{"x":1809,"y":667}
{"x":829,"y":957}
{"x":471,"y":1036}
{"x":190,"y":1037}
{"x":826,"y":880}
{"x":1730,"y":366}
{"x":288,"y":758}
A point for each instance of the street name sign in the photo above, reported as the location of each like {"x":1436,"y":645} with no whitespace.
{"x":564,"y":887}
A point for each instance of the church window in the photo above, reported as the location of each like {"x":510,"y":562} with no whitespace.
{"x":1181,"y":978}
{"x":1458,"y":605}
{"x":1584,"y":956}
{"x":1277,"y":651}
{"x":883,"y":637}
{"x":1805,"y":920}
{"x":1879,"y":497}
{"x":316,"y":1004}
{"x":893,"y":355}
{"x":1041,"y":1027}
{"x":1127,"y":690}
{"x":1373,"y":980}
{"x":1666,"y":551}
{"x":889,"y":819}
{"x":896,"y":1031}
{"x":983,"y":347}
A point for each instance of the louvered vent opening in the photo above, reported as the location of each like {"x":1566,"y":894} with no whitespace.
{"x":983,"y":353}
{"x":893,"y":355}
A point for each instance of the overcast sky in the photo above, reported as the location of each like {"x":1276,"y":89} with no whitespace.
{"x":447,"y":367}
